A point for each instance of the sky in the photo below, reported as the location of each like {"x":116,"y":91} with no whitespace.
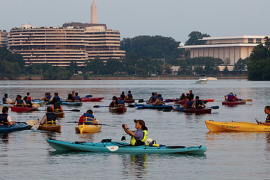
{"x":169,"y":18}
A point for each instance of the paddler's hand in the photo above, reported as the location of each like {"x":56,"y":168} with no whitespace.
{"x":124,"y":126}
{"x":261,"y":122}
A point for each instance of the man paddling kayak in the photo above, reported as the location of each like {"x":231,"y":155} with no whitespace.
{"x":140,"y":135}
{"x":5,"y":119}
{"x":6,"y":100}
{"x":49,"y":117}
{"x":198,"y":104}
{"x":56,"y":107}
{"x":87,"y":118}
{"x":267,"y":111}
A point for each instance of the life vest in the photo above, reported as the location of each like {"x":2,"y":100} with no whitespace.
{"x":88,"y":119}
{"x":121,"y":103}
{"x":267,"y":119}
{"x":4,"y":100}
{"x":122,"y":96}
{"x":135,"y":142}
{"x":29,"y":98}
{"x":199,"y":104}
{"x":77,"y":99}
{"x":3,"y":119}
{"x":129,"y":96}
{"x":230,"y":97}
{"x":160,"y":101}
{"x":57,"y":107}
{"x":189,"y":104}
{"x":19,"y":103}
{"x":153,"y":98}
{"x":48,"y":97}
{"x":51,"y":118}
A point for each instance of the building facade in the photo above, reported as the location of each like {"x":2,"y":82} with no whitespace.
{"x":72,"y":42}
{"x":230,"y":48}
{"x":3,"y":38}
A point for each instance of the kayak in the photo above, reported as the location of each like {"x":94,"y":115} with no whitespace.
{"x":88,"y":128}
{"x":148,"y":106}
{"x":183,"y":102}
{"x":129,"y":101}
{"x":69,"y":103}
{"x":234,"y":102}
{"x":6,"y":105}
{"x":193,"y":110}
{"x":91,"y":99}
{"x":23,"y":109}
{"x":118,"y":109}
{"x":60,"y":114}
{"x":14,"y":127}
{"x":121,"y":147}
{"x":236,"y":126}
{"x":50,"y":127}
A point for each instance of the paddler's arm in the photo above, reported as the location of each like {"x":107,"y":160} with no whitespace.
{"x":265,"y":123}
{"x":44,"y":119}
{"x":128,"y":131}
{"x":10,"y":122}
{"x":194,"y":104}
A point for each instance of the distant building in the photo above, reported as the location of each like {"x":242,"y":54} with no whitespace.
{"x":230,"y":48}
{"x":3,"y":38}
{"x":72,"y":42}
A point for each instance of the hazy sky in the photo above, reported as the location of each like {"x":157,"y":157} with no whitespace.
{"x":169,"y":18}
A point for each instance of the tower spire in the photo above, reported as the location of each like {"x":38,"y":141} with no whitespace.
{"x":93,"y":16}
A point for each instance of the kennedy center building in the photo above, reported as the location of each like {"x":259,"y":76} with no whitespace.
{"x":230,"y":47}
{"x":72,"y":42}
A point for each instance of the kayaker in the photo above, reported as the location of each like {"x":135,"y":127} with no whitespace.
{"x":87,"y":118}
{"x":230,"y":97}
{"x":6,"y":100}
{"x":188,"y":103}
{"x":56,"y":96}
{"x":49,"y":117}
{"x":5,"y":119}
{"x":183,"y":96}
{"x":267,"y":111}
{"x":140,"y":135}
{"x":121,"y":103}
{"x":114,"y":103}
{"x":129,"y":96}
{"x":29,"y":98}
{"x":191,"y":95}
{"x":122,"y":96}
{"x":159,"y":101}
{"x":77,"y":97}
{"x":28,"y":103}
{"x":56,"y":107}
{"x":198,"y":104}
{"x":153,"y":98}
{"x":69,"y":98}
{"x":19,"y":102}
{"x":73,"y":96}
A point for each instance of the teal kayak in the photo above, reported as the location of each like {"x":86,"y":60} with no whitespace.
{"x":68,"y":103}
{"x":121,"y":147}
{"x":148,"y":106}
{"x":14,"y":127}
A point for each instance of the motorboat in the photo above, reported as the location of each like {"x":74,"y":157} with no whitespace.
{"x":202,"y":80}
{"x":211,"y":78}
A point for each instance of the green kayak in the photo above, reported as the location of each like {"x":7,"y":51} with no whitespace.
{"x":121,"y":147}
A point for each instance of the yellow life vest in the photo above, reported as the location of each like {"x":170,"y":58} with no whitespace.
{"x":145,"y":136}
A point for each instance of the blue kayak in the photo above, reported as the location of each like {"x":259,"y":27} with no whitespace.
{"x":149,"y":106}
{"x":68,"y":103}
{"x":15,"y":127}
{"x":121,"y":147}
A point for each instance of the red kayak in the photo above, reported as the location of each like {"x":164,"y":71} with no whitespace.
{"x":92,"y":99}
{"x":234,"y":102}
{"x":118,"y":109}
{"x":129,"y":101}
{"x":23,"y":109}
{"x":193,"y":110}
{"x":183,"y":102}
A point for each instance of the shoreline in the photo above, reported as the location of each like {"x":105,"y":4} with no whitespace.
{"x":134,"y":78}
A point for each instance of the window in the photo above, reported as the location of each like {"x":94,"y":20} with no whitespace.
{"x":250,"y":40}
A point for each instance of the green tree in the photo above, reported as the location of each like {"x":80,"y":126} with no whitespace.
{"x":113,"y":66}
{"x":73,"y":68}
{"x":194,"y":37}
{"x":240,"y":65}
{"x":226,"y":70}
{"x":96,"y":66}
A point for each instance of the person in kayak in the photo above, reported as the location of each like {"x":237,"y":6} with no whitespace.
{"x":121,"y":103}
{"x":183,"y":96}
{"x":77,"y":98}
{"x":28,"y":103}
{"x":267,"y":111}
{"x":122,"y":96}
{"x":87,"y":118}
{"x":5,"y":119}
{"x":229,"y":97}
{"x":188,"y":103}
{"x":198,"y":104}
{"x":191,"y":95}
{"x":56,"y":96}
{"x":139,"y":136}
{"x":6,"y":100}
{"x":56,"y":107}
{"x":29,"y":98}
{"x":159,"y":101}
{"x":19,"y":102}
{"x":153,"y":98}
{"x":129,"y":96}
{"x":114,"y":103}
{"x":49,"y":117}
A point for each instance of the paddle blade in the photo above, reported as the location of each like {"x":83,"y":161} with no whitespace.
{"x":167,"y":100}
{"x":141,"y":100}
{"x":113,"y":148}
{"x":88,"y":96}
{"x":257,"y":121}
{"x":76,"y":110}
{"x":35,"y":105}
{"x":96,"y":106}
{"x":249,"y":100}
{"x":180,"y":109}
{"x":215,"y":107}
{"x":34,"y":123}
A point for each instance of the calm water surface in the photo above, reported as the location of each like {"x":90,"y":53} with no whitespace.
{"x":27,"y":155}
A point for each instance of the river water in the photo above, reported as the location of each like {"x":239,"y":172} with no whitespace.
{"x":27,"y":155}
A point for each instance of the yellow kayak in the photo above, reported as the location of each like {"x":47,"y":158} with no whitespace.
{"x":236,"y":126}
{"x":88,"y":128}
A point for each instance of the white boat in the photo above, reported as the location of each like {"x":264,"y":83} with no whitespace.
{"x":211,"y":78}
{"x":202,"y":80}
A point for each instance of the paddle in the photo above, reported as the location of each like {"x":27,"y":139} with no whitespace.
{"x":249,"y":100}
{"x":76,"y":110}
{"x":212,"y":107}
{"x":98,"y":106}
{"x":88,"y":96}
{"x":257,"y":121}
{"x":34,"y":123}
{"x":94,"y":123}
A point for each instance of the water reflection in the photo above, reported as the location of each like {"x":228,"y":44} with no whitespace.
{"x":4,"y":138}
